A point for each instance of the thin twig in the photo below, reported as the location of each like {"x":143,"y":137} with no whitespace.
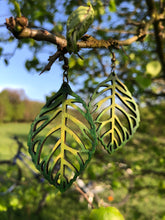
{"x":51,"y":60}
{"x":84,"y":195}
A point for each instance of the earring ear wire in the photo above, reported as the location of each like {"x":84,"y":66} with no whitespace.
{"x":65,"y":68}
{"x":113,"y":64}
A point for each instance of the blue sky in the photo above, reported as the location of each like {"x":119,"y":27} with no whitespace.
{"x":35,"y":86}
{"x":15,"y":74}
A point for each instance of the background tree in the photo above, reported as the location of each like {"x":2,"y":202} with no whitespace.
{"x":14,"y":106}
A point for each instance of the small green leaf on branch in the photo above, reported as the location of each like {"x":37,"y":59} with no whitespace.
{"x":77,"y":25}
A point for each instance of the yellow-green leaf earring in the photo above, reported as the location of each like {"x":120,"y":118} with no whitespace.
{"x":115,"y":113}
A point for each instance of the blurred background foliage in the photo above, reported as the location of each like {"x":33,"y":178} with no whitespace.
{"x":140,"y":65}
{"x":131,"y":179}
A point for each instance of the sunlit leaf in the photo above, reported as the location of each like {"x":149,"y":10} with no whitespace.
{"x":132,"y":56}
{"x":153,"y":68}
{"x":72,"y":62}
{"x":112,"y":6}
{"x":3,"y":208}
{"x":99,"y":8}
{"x":80,"y":62}
{"x":17,"y":8}
{"x":115,"y":113}
{"x":62,"y":138}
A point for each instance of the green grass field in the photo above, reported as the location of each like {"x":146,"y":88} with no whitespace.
{"x":7,"y":131}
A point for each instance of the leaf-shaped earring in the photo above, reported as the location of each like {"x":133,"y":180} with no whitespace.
{"x":62,"y":159}
{"x":114,"y":112}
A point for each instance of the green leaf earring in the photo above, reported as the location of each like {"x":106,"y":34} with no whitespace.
{"x":114,"y":112}
{"x":62,"y":138}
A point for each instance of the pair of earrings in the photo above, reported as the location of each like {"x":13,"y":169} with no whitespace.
{"x":64,"y":135}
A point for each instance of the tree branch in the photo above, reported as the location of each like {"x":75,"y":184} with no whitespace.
{"x":158,"y":28}
{"x":21,"y":32}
